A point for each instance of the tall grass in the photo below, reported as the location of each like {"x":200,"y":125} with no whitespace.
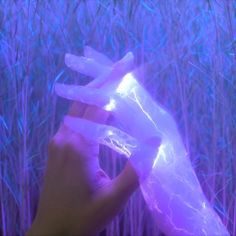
{"x":192,"y":46}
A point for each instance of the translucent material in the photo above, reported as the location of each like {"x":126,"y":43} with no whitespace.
{"x":140,"y":133}
{"x":171,"y":190}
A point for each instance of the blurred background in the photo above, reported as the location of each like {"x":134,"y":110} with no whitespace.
{"x":192,"y":45}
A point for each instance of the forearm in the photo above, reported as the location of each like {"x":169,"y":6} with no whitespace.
{"x":178,"y":203}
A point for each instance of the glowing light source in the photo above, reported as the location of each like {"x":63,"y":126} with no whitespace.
{"x":111,"y":105}
{"x":127,"y":84}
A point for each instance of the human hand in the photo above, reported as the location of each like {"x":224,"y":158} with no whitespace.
{"x":116,"y":77}
{"x":172,"y":190}
{"x":122,"y":103}
{"x":72,"y":180}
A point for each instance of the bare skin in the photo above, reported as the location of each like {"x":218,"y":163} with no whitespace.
{"x":77,"y":197}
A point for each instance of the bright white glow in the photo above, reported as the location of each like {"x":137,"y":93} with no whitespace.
{"x":141,"y":107}
{"x":111,"y":105}
{"x":126,"y":84}
{"x":109,"y":133}
{"x":204,"y":205}
{"x":161,"y":152}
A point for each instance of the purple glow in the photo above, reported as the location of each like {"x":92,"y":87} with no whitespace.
{"x":191,"y":48}
{"x":172,"y":190}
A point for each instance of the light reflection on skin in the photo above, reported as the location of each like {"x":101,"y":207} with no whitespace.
{"x":172,"y":189}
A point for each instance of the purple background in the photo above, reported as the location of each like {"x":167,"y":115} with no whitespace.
{"x":192,"y":45}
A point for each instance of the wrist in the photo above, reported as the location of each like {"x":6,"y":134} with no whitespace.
{"x":39,"y":228}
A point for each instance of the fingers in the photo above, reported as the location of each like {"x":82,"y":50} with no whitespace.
{"x":94,"y":66}
{"x":90,"y":67}
{"x":97,"y":56}
{"x":104,"y":134}
{"x":77,"y":109}
{"x":84,"y":65}
{"x":83,"y":94}
{"x":126,"y":63}
{"x":96,"y":114}
{"x":111,"y":79}
{"x":100,"y":80}
{"x":88,"y":129}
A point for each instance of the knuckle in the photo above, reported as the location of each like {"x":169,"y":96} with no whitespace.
{"x":64,"y":144}
{"x":55,"y":144}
